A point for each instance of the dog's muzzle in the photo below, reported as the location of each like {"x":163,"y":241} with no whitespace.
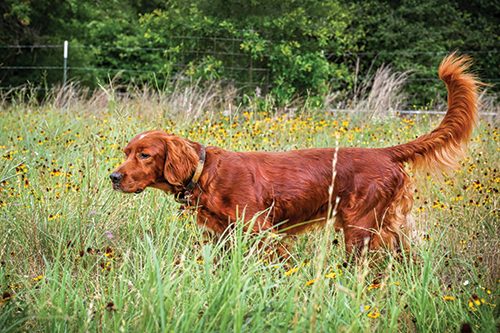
{"x":116,"y":177}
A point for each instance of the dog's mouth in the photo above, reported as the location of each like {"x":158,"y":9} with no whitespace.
{"x":118,"y":188}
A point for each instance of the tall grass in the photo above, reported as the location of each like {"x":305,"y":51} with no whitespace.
{"x":76,"y":256}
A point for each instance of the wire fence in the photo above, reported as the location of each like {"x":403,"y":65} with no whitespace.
{"x":255,"y":69}
{"x":251,"y":69}
{"x":205,"y":52}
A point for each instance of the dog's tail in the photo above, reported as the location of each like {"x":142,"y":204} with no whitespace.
{"x":438,"y":150}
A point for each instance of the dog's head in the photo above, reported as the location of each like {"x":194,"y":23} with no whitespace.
{"x":155,"y":159}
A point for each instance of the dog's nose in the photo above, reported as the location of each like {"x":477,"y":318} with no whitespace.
{"x":116,"y":177}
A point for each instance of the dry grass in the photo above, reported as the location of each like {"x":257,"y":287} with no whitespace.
{"x":380,"y":94}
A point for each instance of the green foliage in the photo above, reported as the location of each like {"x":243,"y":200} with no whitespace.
{"x":285,"y":49}
{"x":105,"y":25}
{"x":413,"y":35}
{"x":281,"y":44}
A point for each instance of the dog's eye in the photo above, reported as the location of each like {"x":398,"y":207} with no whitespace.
{"x":144,"y":156}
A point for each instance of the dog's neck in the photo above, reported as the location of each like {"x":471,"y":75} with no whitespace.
{"x":183,"y":195}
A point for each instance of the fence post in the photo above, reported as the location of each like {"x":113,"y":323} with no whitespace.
{"x":65,"y":61}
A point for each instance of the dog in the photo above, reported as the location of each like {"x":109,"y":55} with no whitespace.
{"x":374,"y":192}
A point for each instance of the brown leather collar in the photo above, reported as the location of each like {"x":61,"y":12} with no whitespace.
{"x":183,"y":195}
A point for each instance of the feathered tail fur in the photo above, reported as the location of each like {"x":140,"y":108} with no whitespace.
{"x":438,"y":150}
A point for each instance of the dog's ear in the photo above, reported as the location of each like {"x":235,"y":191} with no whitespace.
{"x":180,"y":160}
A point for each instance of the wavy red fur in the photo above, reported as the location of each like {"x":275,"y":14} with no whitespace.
{"x":292,"y":188}
{"x":438,"y":150}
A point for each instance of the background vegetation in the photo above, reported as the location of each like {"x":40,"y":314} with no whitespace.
{"x":289,"y":49}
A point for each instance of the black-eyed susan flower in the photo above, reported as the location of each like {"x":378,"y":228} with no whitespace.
{"x":375,"y":286}
{"x":373,"y":313}
{"x":476,"y":300}
{"x":291,"y":271}
{"x":427,"y":238}
{"x":5,"y":297}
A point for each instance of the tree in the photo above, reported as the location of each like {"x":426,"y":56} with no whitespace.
{"x":82,"y":23}
{"x":415,"y":35}
{"x":287,"y":40}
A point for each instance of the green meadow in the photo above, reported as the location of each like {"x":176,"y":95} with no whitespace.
{"x":77,"y":256}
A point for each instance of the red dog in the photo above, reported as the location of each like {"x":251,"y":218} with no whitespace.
{"x":374,"y":190}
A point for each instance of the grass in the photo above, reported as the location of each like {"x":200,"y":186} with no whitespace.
{"x":76,"y":256}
